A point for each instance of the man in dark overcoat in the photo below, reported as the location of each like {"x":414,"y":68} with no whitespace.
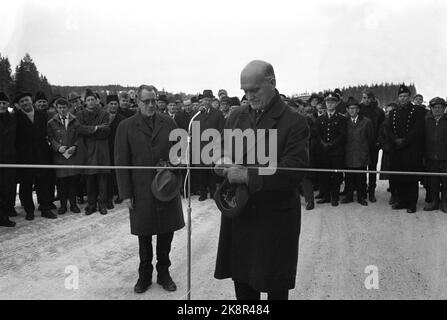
{"x":436,"y":153}
{"x":95,"y":129}
{"x":209,"y":118}
{"x":33,"y":148}
{"x":405,"y":129}
{"x":143,"y":140}
{"x":115,"y":119}
{"x":369,"y":108}
{"x":359,"y":138}
{"x":8,"y":124}
{"x":258,"y":249}
{"x":68,"y":149}
{"x":331,"y":135}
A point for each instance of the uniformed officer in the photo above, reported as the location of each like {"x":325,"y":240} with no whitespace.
{"x":405,"y":130}
{"x":331,"y":135}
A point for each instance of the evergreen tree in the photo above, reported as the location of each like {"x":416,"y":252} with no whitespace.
{"x":5,"y":75}
{"x":26,"y":77}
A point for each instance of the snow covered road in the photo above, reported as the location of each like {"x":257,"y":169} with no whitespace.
{"x":336,"y":245}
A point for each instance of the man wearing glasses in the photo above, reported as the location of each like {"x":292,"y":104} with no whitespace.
{"x":143,"y":140}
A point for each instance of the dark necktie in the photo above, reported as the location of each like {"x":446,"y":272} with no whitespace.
{"x":64,"y":119}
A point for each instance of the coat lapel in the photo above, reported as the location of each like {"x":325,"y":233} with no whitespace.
{"x":157,"y":126}
{"x":142,"y":126}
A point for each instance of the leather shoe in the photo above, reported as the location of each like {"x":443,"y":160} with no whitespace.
{"x":392,"y":201}
{"x":411,"y":210}
{"x":203,"y":197}
{"x":372,"y":197}
{"x":48,"y":214}
{"x":398,"y":206}
{"x":12,"y":212}
{"x":5,"y":222}
{"x":89,"y":210}
{"x":324,"y":200}
{"x":62,"y":210}
{"x":75,"y":209}
{"x":81,"y":200}
{"x":118,"y":201}
{"x":334,"y":203}
{"x":142,"y":285}
{"x":29,"y":215}
{"x":109,"y":205}
{"x":166,"y":282}
{"x":347,"y":200}
{"x":103,"y":210}
{"x":319,"y":196}
{"x":431,"y":206}
{"x":310,"y":206}
{"x":363,"y":202}
{"x":52,"y":206}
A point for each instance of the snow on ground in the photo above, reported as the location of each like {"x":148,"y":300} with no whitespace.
{"x":336,"y":245}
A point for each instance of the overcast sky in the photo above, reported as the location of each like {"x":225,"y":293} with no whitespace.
{"x":194,"y":45}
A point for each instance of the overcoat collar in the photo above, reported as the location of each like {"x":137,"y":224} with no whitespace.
{"x":141,"y":125}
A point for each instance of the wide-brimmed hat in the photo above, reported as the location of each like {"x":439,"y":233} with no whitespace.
{"x":231,"y":199}
{"x":166,"y":185}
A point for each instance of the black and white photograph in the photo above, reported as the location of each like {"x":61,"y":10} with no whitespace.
{"x":223,"y":151}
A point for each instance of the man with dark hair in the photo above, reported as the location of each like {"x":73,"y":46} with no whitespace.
{"x":405,"y":130}
{"x":95,"y":127}
{"x":258,"y":248}
{"x":143,"y":140}
{"x":115,"y":119}
{"x":209,"y":118}
{"x":124,"y":105}
{"x":369,"y":108}
{"x":8,"y":124}
{"x":65,"y":142}
{"x":33,"y":148}
{"x":357,"y":154}
{"x":341,"y":106}
{"x":331,"y":135}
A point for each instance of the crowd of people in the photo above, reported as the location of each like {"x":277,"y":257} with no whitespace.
{"x":344,"y":134}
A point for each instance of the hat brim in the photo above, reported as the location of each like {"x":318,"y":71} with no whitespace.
{"x":240,"y":194}
{"x":166,"y":197}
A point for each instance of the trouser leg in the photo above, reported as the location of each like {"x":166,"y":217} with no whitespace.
{"x":372,"y":177}
{"x":308,"y":189}
{"x":163,"y":249}
{"x":62,"y":191}
{"x":26,"y":189}
{"x":102,"y":189}
{"x":278,"y":295}
{"x":145,"y":252}
{"x":360,"y":184}
{"x":245,"y":292}
{"x":92,"y":190}
{"x":44,"y":192}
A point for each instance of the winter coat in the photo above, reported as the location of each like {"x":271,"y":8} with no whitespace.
{"x":358,"y":142}
{"x":137,"y":145}
{"x":59,"y":136}
{"x":332,"y":132}
{"x":260,"y":246}
{"x":407,"y":123}
{"x":8,"y":127}
{"x":435,"y":137}
{"x":375,"y":114}
{"x":95,"y":140}
{"x":113,"y":127}
{"x":32,"y":143}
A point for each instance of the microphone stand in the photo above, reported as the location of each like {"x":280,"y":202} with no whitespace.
{"x":188,"y":181}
